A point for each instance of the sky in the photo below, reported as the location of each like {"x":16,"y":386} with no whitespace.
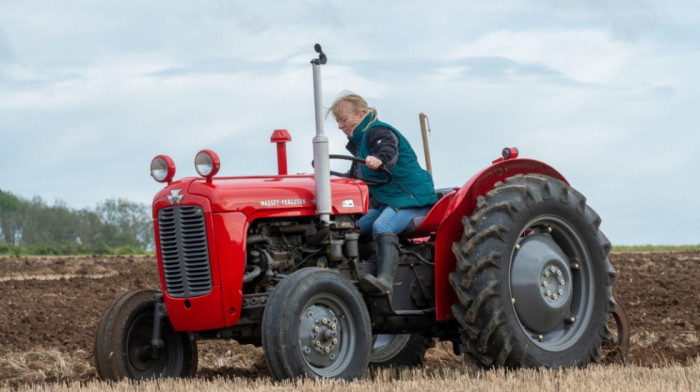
{"x":607,"y":92}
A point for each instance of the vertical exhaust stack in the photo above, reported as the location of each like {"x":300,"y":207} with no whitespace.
{"x":321,"y":166}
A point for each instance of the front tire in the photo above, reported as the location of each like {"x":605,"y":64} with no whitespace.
{"x":123,"y":342}
{"x":534,"y":282}
{"x":316,"y":325}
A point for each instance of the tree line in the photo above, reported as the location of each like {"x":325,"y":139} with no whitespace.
{"x":32,"y":227}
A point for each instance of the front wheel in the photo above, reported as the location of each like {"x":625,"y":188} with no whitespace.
{"x":316,"y":325}
{"x":533,"y":280}
{"x":123,"y":342}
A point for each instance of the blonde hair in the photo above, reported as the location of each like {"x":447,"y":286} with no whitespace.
{"x":356,"y":102}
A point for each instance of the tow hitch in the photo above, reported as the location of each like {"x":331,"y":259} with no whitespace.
{"x":623,"y":329}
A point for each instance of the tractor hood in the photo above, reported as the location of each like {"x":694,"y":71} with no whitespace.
{"x":266,"y":195}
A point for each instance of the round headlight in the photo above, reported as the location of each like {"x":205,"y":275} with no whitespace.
{"x":162,"y":168}
{"x":207,"y":163}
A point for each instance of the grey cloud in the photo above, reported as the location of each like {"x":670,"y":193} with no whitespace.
{"x":489,"y":67}
{"x":7,"y":54}
{"x":501,"y":67}
{"x":662,"y":91}
{"x":224,"y":65}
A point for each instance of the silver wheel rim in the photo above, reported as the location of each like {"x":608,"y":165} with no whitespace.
{"x":551,"y":283}
{"x":327,"y":335}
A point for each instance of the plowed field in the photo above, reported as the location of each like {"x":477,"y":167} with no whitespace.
{"x":51,"y":306}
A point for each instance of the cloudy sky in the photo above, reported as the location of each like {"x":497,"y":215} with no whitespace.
{"x":607,"y":92}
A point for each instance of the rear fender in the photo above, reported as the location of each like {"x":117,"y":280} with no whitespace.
{"x":463,"y":204}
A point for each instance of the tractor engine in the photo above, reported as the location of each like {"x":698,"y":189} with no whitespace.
{"x":278,"y":247}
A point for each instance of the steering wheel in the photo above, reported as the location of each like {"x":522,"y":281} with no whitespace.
{"x":367,"y":181}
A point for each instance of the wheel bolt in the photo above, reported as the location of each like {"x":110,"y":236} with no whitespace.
{"x":546,"y":274}
{"x":561,"y":282}
{"x":333,"y":327}
{"x":335,"y":341}
{"x":560,"y":291}
{"x":328,"y":350}
{"x":318,"y":343}
{"x":558,"y":273}
{"x":544,"y":283}
{"x":555,"y":296}
{"x":316,"y":329}
{"x":325,"y":321}
{"x":548,"y":293}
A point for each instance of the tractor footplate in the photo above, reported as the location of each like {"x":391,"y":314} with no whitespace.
{"x":379,"y":304}
{"x":623,"y":329}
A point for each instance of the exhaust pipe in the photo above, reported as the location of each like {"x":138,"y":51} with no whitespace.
{"x":321,"y":162}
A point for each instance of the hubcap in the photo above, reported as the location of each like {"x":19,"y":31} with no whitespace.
{"x":320,"y":336}
{"x":327,"y":335}
{"x":541,"y":282}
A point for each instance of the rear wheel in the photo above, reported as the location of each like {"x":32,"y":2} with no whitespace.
{"x":123,"y":342}
{"x":316,"y":325}
{"x":533,"y":280}
{"x":398,"y":350}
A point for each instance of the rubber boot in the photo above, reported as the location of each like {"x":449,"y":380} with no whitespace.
{"x":386,"y":246}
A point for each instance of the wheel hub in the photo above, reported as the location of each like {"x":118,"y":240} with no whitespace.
{"x":541,"y":283}
{"x":320,"y":336}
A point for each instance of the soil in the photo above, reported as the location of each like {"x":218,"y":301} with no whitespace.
{"x":54,"y":303}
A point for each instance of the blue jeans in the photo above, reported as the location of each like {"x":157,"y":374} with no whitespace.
{"x":387,"y":220}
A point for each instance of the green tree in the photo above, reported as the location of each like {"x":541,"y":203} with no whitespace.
{"x":9,"y":206}
{"x":39,"y":228}
{"x":131,"y":220}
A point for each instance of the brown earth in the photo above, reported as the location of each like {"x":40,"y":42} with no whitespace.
{"x":54,"y":304}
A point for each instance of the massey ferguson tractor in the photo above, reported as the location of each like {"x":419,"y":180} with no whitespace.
{"x":511,"y":268}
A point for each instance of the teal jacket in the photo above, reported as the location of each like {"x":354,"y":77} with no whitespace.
{"x":411,"y":186}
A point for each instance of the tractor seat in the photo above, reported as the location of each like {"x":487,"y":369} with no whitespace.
{"x":438,"y":208}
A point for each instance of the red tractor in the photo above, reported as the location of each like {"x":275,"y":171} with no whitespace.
{"x":511,"y":268}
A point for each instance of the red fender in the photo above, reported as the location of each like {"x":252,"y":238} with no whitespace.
{"x":463,"y":203}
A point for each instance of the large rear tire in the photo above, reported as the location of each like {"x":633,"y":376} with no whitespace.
{"x":316,"y":325}
{"x":533,"y":277}
{"x":123,"y":342}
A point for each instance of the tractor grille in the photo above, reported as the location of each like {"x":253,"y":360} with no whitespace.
{"x":183,"y":247}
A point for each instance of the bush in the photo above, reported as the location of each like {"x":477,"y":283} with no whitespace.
{"x":10,"y":250}
{"x":125,"y":250}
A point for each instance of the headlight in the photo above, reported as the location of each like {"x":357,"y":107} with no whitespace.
{"x":207,"y":164}
{"x":162,"y":168}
